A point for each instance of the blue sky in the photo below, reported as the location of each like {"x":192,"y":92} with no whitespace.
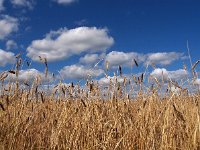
{"x":75,"y":34}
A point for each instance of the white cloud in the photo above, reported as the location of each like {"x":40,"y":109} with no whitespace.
{"x":173,"y":75}
{"x":6,"y":57}
{"x":10,"y":45}
{"x":81,"y":22}
{"x":116,"y":58}
{"x":61,"y":44}
{"x":65,"y":2}
{"x":164,"y":58}
{"x":175,"y":90}
{"x":79,"y":72}
{"x":91,"y":59}
{"x":8,"y":25}
{"x":197,"y":82}
{"x":29,"y":75}
{"x":23,"y":3}
{"x":1,"y":5}
{"x":106,"y":81}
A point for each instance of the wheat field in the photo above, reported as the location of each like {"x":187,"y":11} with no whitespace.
{"x":32,"y":118}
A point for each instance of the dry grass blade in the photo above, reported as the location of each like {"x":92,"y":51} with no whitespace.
{"x":11,"y":71}
{"x":178,"y":114}
{"x":91,"y":87}
{"x":194,"y":66}
{"x":20,"y":61}
{"x":25,"y":83}
{"x":120,"y":70}
{"x":36,"y":92}
{"x":107,"y":65}
{"x":124,"y":81}
{"x":41,"y":59}
{"x":2,"y":107}
{"x":28,"y":63}
{"x":53,"y":75}
{"x":72,"y":85}
{"x":46,"y":67}
{"x":135,"y":80}
{"x":136,"y":63}
{"x":42,"y":97}
{"x":55,"y":86}
{"x":157,"y":81}
{"x":176,"y":84}
{"x":18,"y":55}
{"x":3,"y":76}
{"x":142,"y":77}
{"x":63,"y":90}
{"x":83,"y":103}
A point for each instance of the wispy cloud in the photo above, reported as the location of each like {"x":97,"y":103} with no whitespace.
{"x":23,"y":3}
{"x":11,"y":45}
{"x":61,"y":44}
{"x":65,"y":2}
{"x":2,"y":5}
{"x":81,"y":22}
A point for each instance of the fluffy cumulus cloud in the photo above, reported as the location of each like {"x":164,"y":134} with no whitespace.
{"x":6,"y":57}
{"x":116,"y":58}
{"x":173,"y":75}
{"x":91,"y":59}
{"x":8,"y":25}
{"x":23,"y":3}
{"x":61,"y":44}
{"x":10,"y":45}
{"x":1,"y":5}
{"x":106,"y":80}
{"x":65,"y":2}
{"x":163,"y":58}
{"x":29,"y":75}
{"x":197,"y":81}
{"x":79,"y":72}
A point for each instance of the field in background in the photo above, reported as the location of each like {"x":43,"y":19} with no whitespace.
{"x":70,"y":117}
